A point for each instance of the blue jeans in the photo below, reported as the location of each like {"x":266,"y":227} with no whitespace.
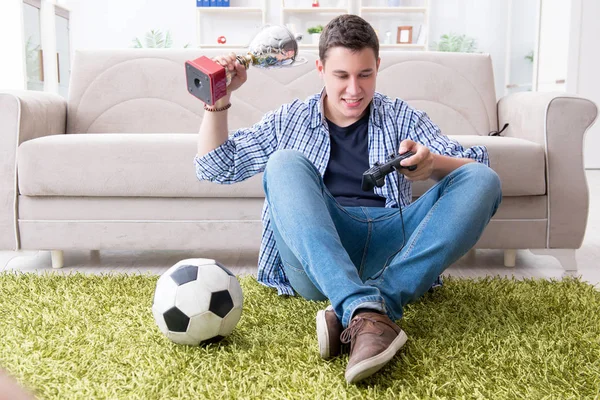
{"x":356,"y":256}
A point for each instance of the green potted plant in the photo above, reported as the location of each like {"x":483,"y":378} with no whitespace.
{"x":455,"y":43}
{"x":155,"y":40}
{"x":529,"y":56}
{"x":315,"y":33}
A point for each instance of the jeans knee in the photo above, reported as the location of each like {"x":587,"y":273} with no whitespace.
{"x":487,"y":181}
{"x":287,"y":164}
{"x":283,"y":159}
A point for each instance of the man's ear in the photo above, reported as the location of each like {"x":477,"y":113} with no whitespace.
{"x":378,"y":62}
{"x":320,"y":67}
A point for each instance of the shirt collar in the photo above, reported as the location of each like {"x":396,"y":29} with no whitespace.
{"x":318,"y":115}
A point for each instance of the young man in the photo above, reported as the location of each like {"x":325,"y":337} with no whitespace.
{"x":369,"y":253}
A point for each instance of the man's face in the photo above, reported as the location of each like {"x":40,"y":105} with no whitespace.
{"x":349,"y":78}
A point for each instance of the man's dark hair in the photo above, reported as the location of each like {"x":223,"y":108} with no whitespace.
{"x":349,"y":31}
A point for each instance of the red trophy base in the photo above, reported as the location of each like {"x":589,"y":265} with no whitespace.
{"x":206,"y":79}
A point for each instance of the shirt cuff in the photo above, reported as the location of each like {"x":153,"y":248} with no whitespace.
{"x":215,"y":163}
{"x":477,"y":153}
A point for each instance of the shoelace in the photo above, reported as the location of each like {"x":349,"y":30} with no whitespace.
{"x":350,"y":332}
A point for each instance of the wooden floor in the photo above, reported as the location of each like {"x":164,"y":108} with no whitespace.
{"x":478,"y":264}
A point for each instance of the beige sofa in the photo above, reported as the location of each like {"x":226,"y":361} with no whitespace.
{"x":112,"y":167}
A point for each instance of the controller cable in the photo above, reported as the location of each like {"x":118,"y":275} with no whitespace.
{"x":403,"y":230}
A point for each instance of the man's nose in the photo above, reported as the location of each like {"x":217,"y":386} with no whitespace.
{"x":353,"y":86}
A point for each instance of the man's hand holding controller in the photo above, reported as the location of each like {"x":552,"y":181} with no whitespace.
{"x":422,"y":159}
{"x":375,"y":176}
{"x":414,"y":161}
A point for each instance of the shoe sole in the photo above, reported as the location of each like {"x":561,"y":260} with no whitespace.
{"x":323,"y":335}
{"x":371,"y":365}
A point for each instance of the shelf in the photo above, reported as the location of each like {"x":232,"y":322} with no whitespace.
{"x":217,"y":17}
{"x":381,"y":46}
{"x":218,"y":10}
{"x":222,"y":46}
{"x":394,"y":9}
{"x":315,"y":10}
{"x":406,"y":46}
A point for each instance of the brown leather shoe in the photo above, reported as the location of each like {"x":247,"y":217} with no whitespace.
{"x":374,"y":339}
{"x":329,"y":329}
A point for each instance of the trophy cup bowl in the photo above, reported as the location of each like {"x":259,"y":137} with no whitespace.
{"x":274,"y":46}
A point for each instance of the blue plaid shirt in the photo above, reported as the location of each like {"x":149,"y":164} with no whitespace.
{"x":301,"y":125}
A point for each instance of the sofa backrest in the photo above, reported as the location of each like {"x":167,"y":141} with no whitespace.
{"x":144,"y":90}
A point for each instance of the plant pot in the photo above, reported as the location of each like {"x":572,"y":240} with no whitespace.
{"x":315,"y":37}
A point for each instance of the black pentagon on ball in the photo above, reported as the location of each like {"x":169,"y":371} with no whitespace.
{"x":185,"y":274}
{"x":224,"y":269}
{"x":176,"y":320}
{"x":221,"y":303}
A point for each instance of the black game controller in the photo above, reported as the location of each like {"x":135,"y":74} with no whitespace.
{"x":375,"y":176}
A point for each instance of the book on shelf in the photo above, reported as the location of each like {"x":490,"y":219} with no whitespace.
{"x":212,"y":3}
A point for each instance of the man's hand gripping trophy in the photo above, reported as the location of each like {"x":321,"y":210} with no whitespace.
{"x":211,"y":79}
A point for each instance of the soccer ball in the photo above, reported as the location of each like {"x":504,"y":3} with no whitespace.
{"x":197,"y":301}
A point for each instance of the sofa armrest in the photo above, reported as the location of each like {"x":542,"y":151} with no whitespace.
{"x":558,"y":122}
{"x":24,"y":115}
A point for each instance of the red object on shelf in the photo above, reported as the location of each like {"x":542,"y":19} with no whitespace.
{"x":222,"y":40}
{"x":315,"y":3}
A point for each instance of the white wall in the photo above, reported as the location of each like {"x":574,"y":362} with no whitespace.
{"x":554,"y":45}
{"x":522,"y":39}
{"x":586,"y":73}
{"x":483,"y":20}
{"x":114,"y":23}
{"x":12,"y":65}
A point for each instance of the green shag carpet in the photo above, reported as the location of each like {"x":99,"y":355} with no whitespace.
{"x":94,"y":337}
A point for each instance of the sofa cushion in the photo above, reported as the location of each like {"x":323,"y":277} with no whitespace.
{"x":161,"y":165}
{"x":149,"y":165}
{"x":520,"y":164}
{"x":144,"y":90}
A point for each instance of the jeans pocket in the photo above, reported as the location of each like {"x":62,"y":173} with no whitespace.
{"x":294,"y":268}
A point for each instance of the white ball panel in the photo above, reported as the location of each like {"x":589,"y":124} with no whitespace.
{"x":192,"y":298}
{"x":160,"y":320}
{"x":183,"y":338}
{"x":235,"y":291}
{"x":213,"y":277}
{"x":164,"y":295}
{"x":204,"y":326}
{"x":230,"y":321}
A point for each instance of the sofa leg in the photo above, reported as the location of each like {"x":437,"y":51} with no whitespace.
{"x":57,"y":258}
{"x":95,"y":257}
{"x":510,"y":257}
{"x":566,"y":257}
